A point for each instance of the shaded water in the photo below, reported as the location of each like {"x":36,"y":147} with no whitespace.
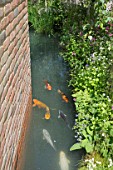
{"x":48,"y":65}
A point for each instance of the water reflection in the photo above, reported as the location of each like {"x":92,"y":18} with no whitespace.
{"x":39,"y":154}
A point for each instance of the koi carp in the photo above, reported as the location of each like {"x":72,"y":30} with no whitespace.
{"x":47,"y":85}
{"x":64,"y":117}
{"x":64,"y":97}
{"x":40,"y":105}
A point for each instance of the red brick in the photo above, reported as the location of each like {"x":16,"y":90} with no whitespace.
{"x":4,"y":58}
{"x":3,"y":72}
{"x":20,"y":7}
{"x":9,"y":28}
{"x":12,"y":35}
{"x":11,"y":77}
{"x":4,"y":22}
{"x":11,"y":16}
{"x":6,"y":43}
{"x":11,"y":47}
{"x":12,"y":96}
{"x":15,"y":21}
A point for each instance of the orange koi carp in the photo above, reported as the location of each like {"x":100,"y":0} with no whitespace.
{"x":42,"y":105}
{"x":64,"y":97}
{"x":47,"y":85}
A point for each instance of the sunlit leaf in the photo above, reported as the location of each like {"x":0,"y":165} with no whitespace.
{"x":75,"y":146}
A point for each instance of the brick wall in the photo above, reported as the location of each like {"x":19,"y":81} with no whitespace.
{"x":15,"y":80}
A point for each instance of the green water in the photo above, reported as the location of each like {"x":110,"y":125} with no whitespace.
{"x":46,"y":64}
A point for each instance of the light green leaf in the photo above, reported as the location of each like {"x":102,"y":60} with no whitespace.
{"x":89,"y":148}
{"x":75,"y":146}
{"x":84,"y":133}
{"x":89,"y":131}
{"x":111,"y":132}
{"x":84,"y":143}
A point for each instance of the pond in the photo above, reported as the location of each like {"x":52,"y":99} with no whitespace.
{"x":38,"y":154}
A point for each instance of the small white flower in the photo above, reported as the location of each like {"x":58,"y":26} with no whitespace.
{"x":110,"y":163}
{"x":98,"y":162}
{"x":103,"y":134}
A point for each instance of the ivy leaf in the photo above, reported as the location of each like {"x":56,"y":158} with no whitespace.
{"x":76,"y":146}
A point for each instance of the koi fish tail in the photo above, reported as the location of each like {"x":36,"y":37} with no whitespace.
{"x":47,"y":109}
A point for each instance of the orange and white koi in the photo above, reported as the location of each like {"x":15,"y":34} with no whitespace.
{"x":64,"y":97}
{"x":47,"y":85}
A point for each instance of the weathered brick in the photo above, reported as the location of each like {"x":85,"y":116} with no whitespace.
{"x":4,"y":58}
{"x":1,"y":12}
{"x":3,"y":72}
{"x":8,"y":94}
{"x":20,"y":7}
{"x":16,"y":12}
{"x":11,"y":16}
{"x":2,"y":37}
{"x":15,"y":21}
{"x":9,"y":28}
{"x":4,"y":22}
{"x":7,"y":9}
{"x":11,"y":47}
{"x":5,"y":78}
{"x":6,"y":43}
{"x":3,"y":106}
{"x":1,"y":89}
{"x":1,"y":51}
{"x":12,"y":35}
{"x":9,"y":61}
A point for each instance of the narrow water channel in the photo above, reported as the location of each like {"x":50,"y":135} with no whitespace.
{"x":47,"y":64}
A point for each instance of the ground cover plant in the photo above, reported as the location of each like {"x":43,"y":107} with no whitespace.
{"x":86,"y":40}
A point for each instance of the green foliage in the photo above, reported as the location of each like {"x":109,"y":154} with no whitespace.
{"x":89,"y":52}
{"x":46,"y":16}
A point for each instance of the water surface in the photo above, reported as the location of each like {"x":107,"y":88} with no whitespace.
{"x":47,"y":64}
